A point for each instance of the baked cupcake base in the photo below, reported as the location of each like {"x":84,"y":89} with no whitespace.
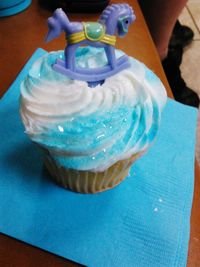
{"x":87,"y":181}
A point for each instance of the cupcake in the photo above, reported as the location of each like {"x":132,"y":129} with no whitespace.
{"x":90,"y":136}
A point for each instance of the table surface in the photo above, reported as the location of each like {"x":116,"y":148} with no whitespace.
{"x":20,"y":36}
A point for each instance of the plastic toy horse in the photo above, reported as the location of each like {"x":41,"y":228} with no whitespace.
{"x":115,"y":18}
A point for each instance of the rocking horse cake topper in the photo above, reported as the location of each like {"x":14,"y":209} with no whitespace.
{"x":115,"y":19}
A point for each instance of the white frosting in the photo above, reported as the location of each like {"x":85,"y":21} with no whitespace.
{"x":69,"y":99}
{"x":52,"y":99}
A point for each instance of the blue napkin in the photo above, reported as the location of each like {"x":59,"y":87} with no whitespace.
{"x":145,"y":221}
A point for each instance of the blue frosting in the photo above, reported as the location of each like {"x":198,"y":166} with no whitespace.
{"x":83,"y":136}
{"x":91,"y":141}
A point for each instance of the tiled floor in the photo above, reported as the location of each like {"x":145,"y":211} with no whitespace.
{"x":191,"y":59}
{"x":190,"y":66}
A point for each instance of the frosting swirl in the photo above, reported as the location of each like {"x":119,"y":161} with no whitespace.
{"x":91,"y":128}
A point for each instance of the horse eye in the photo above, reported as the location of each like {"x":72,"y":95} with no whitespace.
{"x":126,"y":21}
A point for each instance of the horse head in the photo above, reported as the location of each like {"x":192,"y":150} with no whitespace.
{"x":125,"y":19}
{"x":117,"y":18}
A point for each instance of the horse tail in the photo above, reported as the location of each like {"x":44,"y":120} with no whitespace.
{"x":57,"y":23}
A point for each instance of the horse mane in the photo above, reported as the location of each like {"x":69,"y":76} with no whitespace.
{"x":112,"y":8}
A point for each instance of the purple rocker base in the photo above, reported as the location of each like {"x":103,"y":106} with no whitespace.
{"x":92,"y":76}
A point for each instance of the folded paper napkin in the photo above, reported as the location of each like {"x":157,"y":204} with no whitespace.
{"x":144,"y":221}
